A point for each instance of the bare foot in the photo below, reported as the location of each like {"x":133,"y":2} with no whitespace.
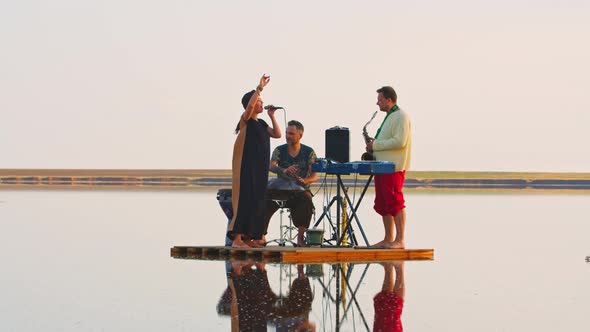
{"x":302,"y":243}
{"x":253,"y":244}
{"x":306,"y":326}
{"x":396,"y":245}
{"x":237,"y":267}
{"x":381,"y":244}
{"x":261,"y":243}
{"x":301,"y":240}
{"x":240,"y":245}
{"x":398,"y":264}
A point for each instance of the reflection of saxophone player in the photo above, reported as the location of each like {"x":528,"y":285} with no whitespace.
{"x":368,"y":139}
{"x":389,"y":302}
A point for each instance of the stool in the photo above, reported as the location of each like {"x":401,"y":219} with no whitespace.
{"x":285,"y":231}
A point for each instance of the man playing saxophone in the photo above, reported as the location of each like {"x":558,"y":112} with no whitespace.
{"x":368,"y":155}
{"x":392,"y":143}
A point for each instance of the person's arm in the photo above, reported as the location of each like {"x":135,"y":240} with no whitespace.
{"x":274,"y":167}
{"x":274,"y":162}
{"x":250,"y":108}
{"x":275,"y":130}
{"x":399,"y":135}
{"x":288,"y":172}
{"x":313,"y":177}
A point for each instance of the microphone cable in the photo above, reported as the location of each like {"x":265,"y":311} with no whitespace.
{"x":285,"y":119}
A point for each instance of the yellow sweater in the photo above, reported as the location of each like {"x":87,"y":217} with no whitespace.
{"x":395,"y":141}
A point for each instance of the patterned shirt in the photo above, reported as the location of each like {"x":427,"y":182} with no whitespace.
{"x":303,"y":159}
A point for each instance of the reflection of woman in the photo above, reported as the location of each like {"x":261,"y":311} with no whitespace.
{"x":248,"y":298}
{"x":250,"y":164}
{"x":390,"y":301}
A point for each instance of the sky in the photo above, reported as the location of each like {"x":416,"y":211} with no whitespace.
{"x":488,"y":85}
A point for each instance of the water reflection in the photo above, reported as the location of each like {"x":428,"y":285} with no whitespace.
{"x":389,"y":303}
{"x":253,"y":305}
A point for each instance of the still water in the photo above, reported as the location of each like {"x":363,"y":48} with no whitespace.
{"x":100,"y":261}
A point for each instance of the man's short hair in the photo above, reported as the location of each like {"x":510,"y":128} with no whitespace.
{"x":246,"y":98}
{"x":297,"y":125}
{"x":388,"y":92}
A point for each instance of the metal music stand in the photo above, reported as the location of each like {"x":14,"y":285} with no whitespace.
{"x":339,"y":199}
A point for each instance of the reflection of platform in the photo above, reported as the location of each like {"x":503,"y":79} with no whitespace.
{"x":302,"y":255}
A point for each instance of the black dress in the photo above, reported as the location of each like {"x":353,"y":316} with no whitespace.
{"x":249,"y":178}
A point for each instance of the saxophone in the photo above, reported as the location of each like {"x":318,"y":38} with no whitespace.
{"x":368,"y":139}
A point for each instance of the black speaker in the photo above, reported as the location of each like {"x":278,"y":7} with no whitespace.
{"x":338,"y":144}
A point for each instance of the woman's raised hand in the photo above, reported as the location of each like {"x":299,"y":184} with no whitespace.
{"x":263,"y":81}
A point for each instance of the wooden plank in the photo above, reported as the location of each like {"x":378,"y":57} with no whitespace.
{"x":174,"y":252}
{"x":368,"y":255}
{"x":193,"y":252}
{"x":178,"y":251}
{"x":302,"y":255}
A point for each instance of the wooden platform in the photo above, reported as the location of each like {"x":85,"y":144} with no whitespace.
{"x":302,"y":255}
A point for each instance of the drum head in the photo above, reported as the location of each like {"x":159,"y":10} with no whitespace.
{"x":282,"y":189}
{"x":284,"y":184}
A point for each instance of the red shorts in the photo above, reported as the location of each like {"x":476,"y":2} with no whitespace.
{"x":389,"y":198}
{"x":388,"y":311}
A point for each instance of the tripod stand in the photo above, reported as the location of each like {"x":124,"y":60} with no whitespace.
{"x":341,"y":281}
{"x":339,"y":200}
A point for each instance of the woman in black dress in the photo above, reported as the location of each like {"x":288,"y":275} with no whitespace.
{"x":250,"y":169}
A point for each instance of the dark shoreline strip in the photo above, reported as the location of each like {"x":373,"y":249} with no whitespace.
{"x":225,"y":181}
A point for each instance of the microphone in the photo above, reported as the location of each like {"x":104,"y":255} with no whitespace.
{"x":272,"y":107}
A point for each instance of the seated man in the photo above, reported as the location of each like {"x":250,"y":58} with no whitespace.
{"x":292,"y":313}
{"x":293,"y":161}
